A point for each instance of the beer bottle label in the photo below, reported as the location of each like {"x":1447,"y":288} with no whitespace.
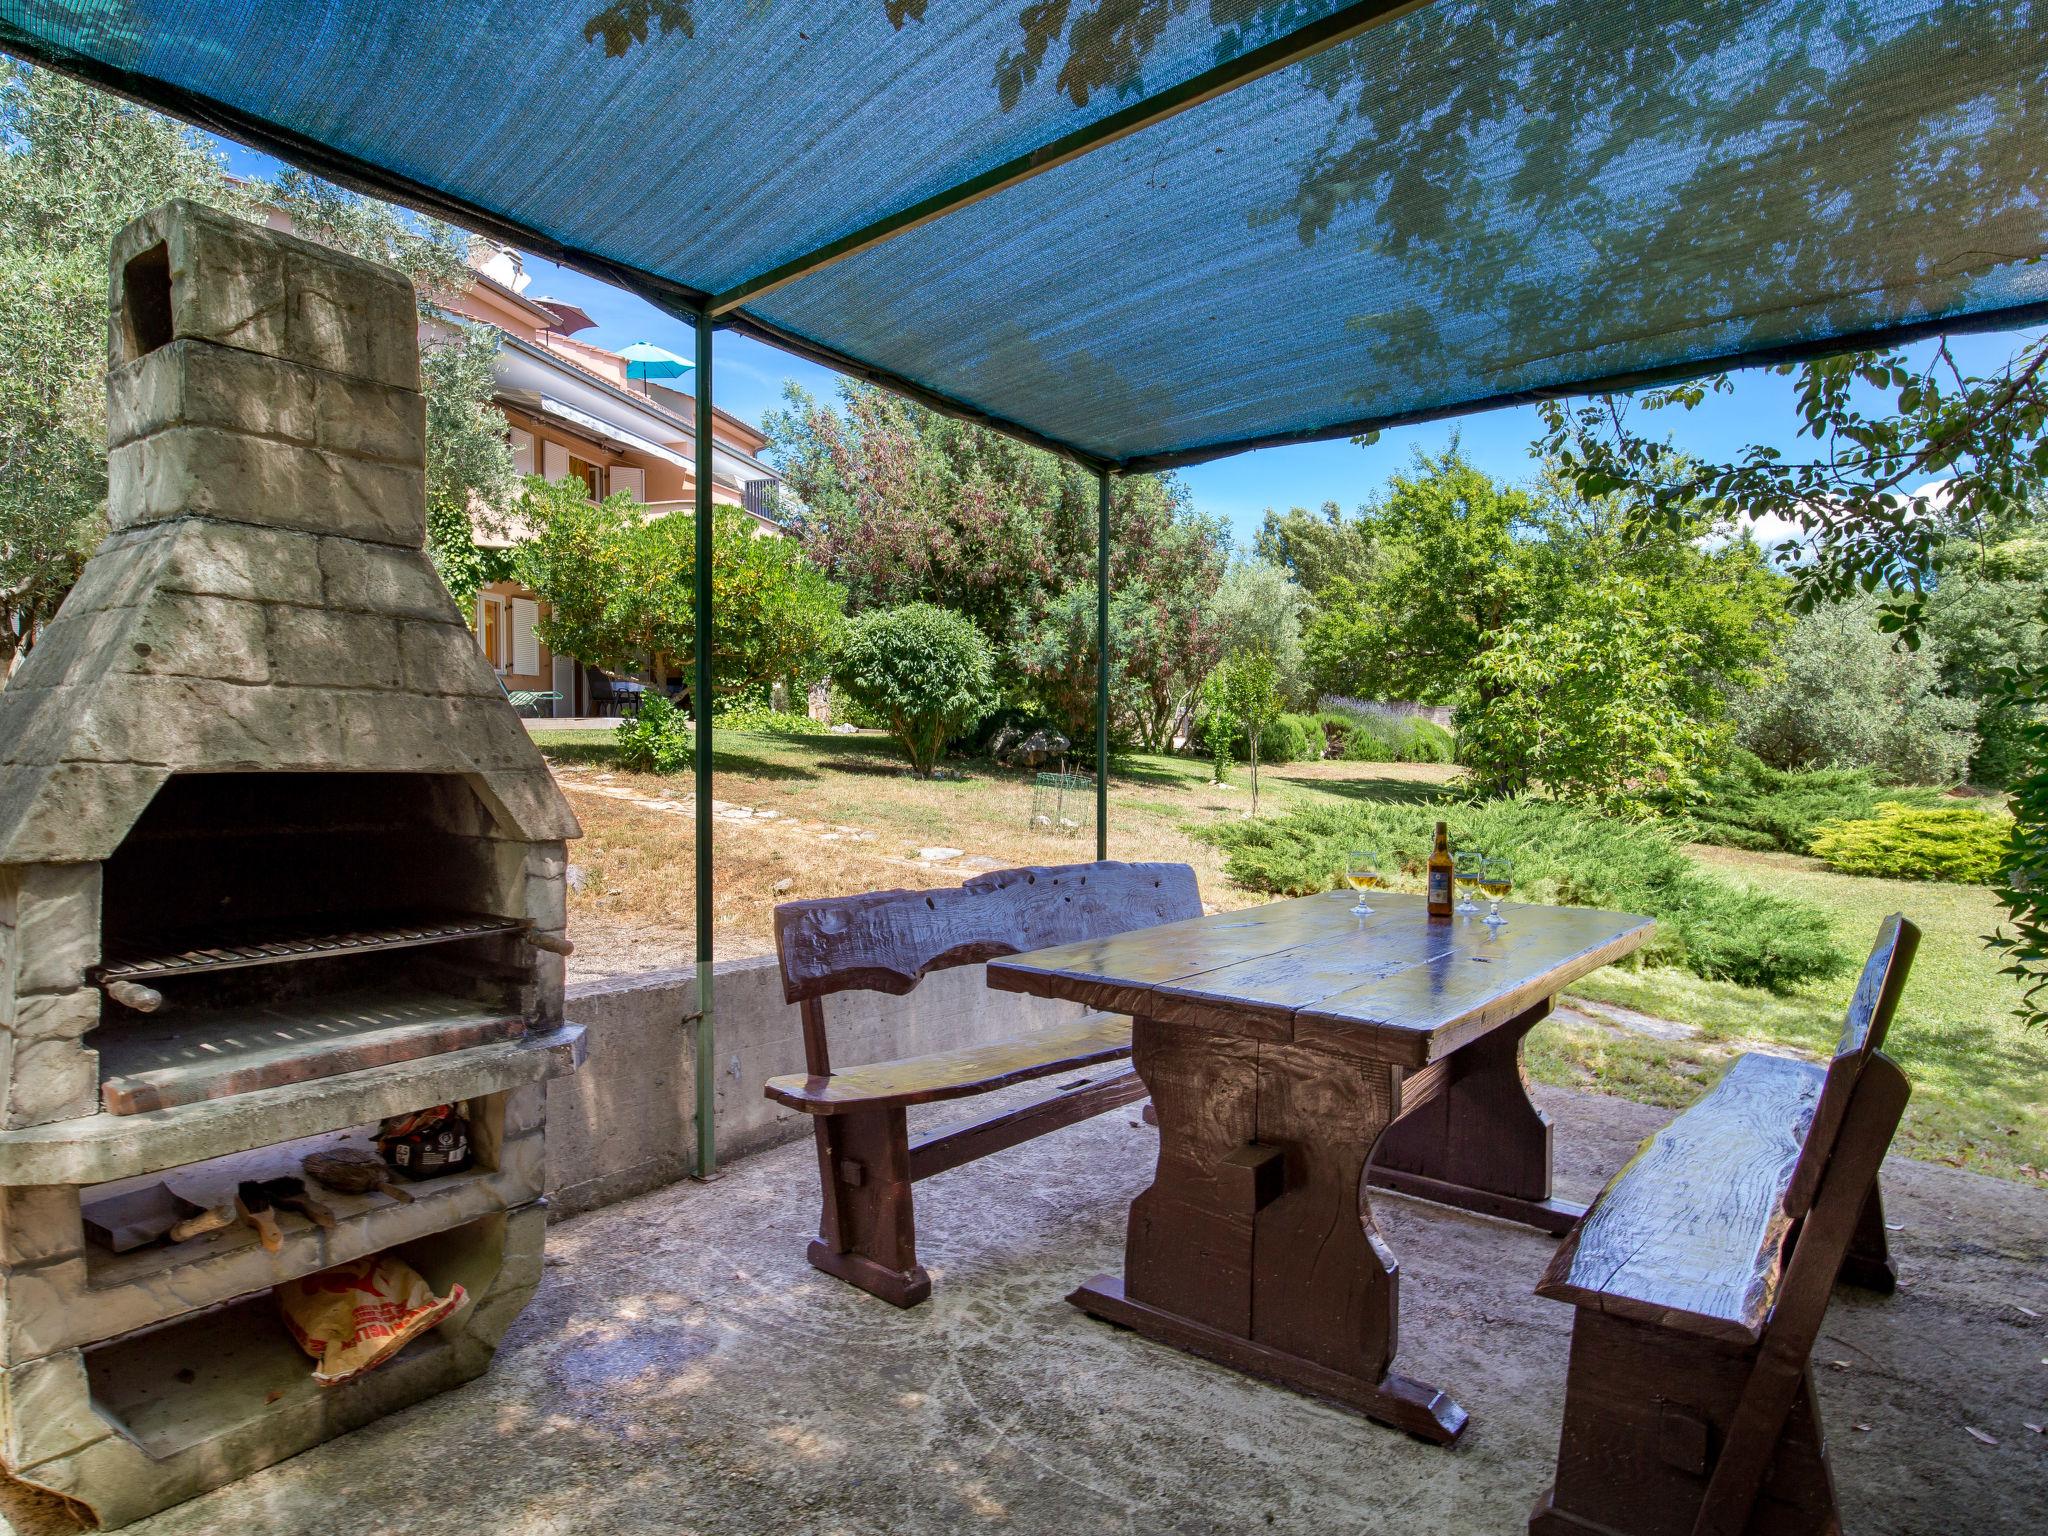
{"x":1440,"y":887}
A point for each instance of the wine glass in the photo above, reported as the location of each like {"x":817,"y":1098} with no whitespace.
{"x":1362,"y":874}
{"x":1496,"y":879}
{"x":1466,"y":867}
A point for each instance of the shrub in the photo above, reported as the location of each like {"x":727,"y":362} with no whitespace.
{"x":1427,"y":742}
{"x":1903,"y":842}
{"x":1706,"y":924}
{"x":1369,"y":737}
{"x":1848,"y":697}
{"x":1285,"y":738}
{"x":656,"y":740}
{"x":926,"y":670}
{"x":763,"y":721}
{"x":1746,"y":804}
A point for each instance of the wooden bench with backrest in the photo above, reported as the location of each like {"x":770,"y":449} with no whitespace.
{"x":888,"y":941}
{"x":1701,"y":1275}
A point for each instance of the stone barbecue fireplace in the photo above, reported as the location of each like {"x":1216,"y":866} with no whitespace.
{"x":277,"y":861}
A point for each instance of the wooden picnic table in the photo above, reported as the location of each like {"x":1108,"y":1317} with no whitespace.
{"x":1286,"y":1047}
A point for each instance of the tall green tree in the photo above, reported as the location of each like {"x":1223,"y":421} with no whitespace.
{"x":1909,"y":451}
{"x":1320,"y":548}
{"x":1450,"y":576}
{"x":901,"y":504}
{"x":75,"y":165}
{"x":621,"y":591}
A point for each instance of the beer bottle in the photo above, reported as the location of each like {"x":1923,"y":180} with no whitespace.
{"x":1440,"y":875}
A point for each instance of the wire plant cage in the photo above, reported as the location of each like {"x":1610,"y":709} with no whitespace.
{"x":1063,"y":804}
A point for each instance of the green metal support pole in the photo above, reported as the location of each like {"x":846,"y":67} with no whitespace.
{"x":700,"y":711}
{"x":1102,"y":665}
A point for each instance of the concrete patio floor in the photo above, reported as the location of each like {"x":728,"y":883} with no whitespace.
{"x":684,"y":1371}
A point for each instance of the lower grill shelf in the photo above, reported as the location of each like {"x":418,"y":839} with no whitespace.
{"x":161,"y":1062}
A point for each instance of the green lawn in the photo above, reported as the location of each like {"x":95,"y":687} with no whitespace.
{"x":1980,"y":1079}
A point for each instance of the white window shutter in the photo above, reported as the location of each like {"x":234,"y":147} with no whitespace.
{"x":522,"y":452}
{"x":554,"y":460}
{"x":525,"y":644}
{"x":630,"y":478}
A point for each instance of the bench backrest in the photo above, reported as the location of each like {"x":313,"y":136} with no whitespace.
{"x":1870,"y":1014}
{"x":888,"y":941}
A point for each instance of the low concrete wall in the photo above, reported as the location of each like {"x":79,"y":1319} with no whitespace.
{"x":626,"y":1122}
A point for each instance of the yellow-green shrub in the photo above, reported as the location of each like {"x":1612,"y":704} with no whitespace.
{"x":1903,"y":842}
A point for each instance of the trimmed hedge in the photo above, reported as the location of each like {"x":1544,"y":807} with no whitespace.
{"x":1705,"y":924}
{"x":1902,"y":842}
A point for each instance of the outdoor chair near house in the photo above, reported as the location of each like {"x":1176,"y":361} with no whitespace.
{"x":527,"y":701}
{"x":1701,"y":1275}
{"x":888,"y":941}
{"x":610,"y":695}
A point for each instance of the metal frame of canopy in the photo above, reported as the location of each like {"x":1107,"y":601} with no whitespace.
{"x":709,"y":312}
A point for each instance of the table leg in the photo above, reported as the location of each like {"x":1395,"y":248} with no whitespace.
{"x":1479,"y":1143}
{"x":1253,"y":1247}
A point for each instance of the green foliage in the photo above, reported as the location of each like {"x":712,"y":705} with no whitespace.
{"x":1367,"y":736}
{"x":469,"y":459}
{"x":75,"y":165}
{"x":1706,"y":924}
{"x":1282,"y":739}
{"x":1984,"y":623}
{"x":1848,"y":695}
{"x":902,"y":505}
{"x":657,"y":739}
{"x":763,"y":721}
{"x":621,"y":590}
{"x":1246,"y":691}
{"x":1591,"y":703}
{"x":1746,"y":804}
{"x":1447,"y":575}
{"x":2023,"y":885}
{"x":1901,"y":842}
{"x":1320,"y":548}
{"x":927,"y":670}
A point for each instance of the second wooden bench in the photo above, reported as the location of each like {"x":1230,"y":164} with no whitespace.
{"x":888,"y":941}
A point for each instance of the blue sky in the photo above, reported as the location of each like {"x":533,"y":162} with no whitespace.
{"x":750,"y":376}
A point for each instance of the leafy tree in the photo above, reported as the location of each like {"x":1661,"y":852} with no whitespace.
{"x":1984,"y":623}
{"x":470,"y":478}
{"x":1976,"y":446}
{"x":1259,"y":608}
{"x":1449,"y":579}
{"x":1847,"y":696}
{"x":1591,"y":701}
{"x":925,"y":669}
{"x":1320,"y":548}
{"x":1248,"y":691}
{"x":621,"y":590}
{"x":901,"y":505}
{"x":75,"y":165}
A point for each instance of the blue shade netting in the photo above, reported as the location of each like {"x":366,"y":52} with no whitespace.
{"x":1466,"y":204}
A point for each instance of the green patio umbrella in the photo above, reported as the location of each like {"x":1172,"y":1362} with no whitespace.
{"x":646,"y":361}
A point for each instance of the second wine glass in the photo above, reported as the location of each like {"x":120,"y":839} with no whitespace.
{"x":1496,"y":879}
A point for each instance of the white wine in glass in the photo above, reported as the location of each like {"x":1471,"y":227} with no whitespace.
{"x":1496,"y":879}
{"x":1466,"y":865}
{"x":1362,"y":874}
